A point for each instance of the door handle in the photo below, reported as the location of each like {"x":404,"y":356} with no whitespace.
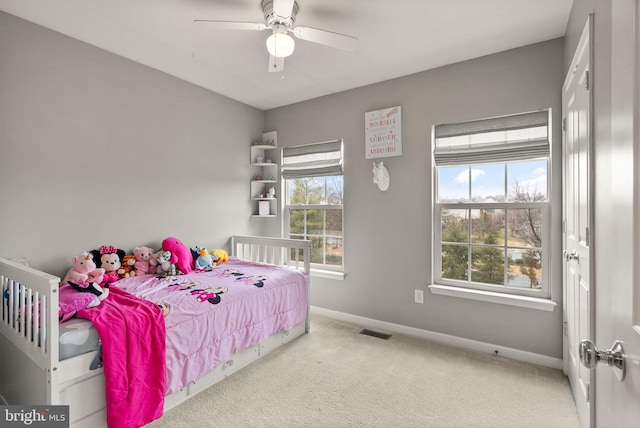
{"x":590,"y":356}
{"x":568,"y":256}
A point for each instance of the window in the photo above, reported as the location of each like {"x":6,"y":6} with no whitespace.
{"x":491,"y":207}
{"x":314,"y":185}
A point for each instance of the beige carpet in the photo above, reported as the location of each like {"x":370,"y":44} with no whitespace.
{"x":335,"y":377}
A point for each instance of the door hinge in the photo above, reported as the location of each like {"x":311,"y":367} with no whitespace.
{"x":564,"y":328}
{"x":586,"y":80}
{"x":587,"y":387}
{"x":564,"y":124}
{"x":587,"y":237}
{"x":564,"y":226}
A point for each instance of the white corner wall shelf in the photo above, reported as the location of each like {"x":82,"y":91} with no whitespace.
{"x":263,"y":188}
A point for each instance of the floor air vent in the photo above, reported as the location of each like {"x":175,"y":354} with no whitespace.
{"x":375,"y":334}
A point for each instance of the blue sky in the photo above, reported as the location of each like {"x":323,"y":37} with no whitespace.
{"x":489,"y":180}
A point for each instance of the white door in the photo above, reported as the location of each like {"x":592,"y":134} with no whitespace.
{"x":578,"y":307}
{"x":617,"y":216}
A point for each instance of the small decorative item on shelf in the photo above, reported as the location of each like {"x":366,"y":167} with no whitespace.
{"x":263,"y":208}
{"x":272,"y":193}
{"x":257,"y":177}
{"x":259,"y":159}
{"x":269,"y":160}
{"x":270,"y":138}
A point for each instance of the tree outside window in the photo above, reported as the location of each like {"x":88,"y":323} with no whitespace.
{"x":315,"y":206}
{"x":490,"y":234}
{"x":491,"y":205}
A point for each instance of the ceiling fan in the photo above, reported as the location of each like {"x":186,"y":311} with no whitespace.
{"x":279,"y":17}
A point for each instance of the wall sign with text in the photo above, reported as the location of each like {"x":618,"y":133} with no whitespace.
{"x":383,"y":133}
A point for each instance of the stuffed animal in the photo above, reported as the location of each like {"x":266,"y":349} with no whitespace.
{"x":164,"y":267}
{"x":70,"y":301}
{"x":96,"y":276}
{"x":84,"y":270}
{"x":221,"y":255}
{"x":110,"y":259}
{"x":164,"y":307}
{"x":143,"y":264}
{"x":180,"y":254}
{"x":195,"y":252}
{"x":92,"y":288}
{"x":205,"y":260}
{"x":79,"y":290}
{"x":127,"y":266}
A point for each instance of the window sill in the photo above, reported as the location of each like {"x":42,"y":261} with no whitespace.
{"x":329,"y":274}
{"x":491,"y":297}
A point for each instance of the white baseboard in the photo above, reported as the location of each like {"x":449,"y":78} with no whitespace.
{"x":459,"y":342}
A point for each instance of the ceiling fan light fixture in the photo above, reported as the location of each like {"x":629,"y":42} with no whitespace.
{"x":280,"y":45}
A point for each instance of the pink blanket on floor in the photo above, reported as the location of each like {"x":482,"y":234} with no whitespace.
{"x":132,"y":331}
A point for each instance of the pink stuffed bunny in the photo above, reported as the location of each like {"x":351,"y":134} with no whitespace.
{"x":84,"y":270}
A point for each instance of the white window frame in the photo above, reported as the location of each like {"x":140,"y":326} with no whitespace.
{"x":448,"y":286}
{"x":542,"y":292}
{"x":308,"y":161}
{"x":316,"y":266}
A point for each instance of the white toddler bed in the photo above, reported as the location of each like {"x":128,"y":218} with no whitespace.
{"x":32,"y":372}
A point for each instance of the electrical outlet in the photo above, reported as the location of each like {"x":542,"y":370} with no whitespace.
{"x":419,"y":296}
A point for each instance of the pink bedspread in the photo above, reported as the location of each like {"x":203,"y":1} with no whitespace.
{"x":211,"y":315}
{"x":132,"y":332}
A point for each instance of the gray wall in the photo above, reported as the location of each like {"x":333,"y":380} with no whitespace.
{"x":388,"y":235}
{"x":96,"y":149}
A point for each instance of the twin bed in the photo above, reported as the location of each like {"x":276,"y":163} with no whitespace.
{"x":215,"y":322}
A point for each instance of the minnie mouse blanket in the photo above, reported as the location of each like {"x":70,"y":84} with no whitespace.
{"x":132,"y":331}
{"x":211,"y":314}
{"x":208,"y":316}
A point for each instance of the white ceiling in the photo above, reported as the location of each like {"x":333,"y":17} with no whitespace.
{"x":396,"y":38}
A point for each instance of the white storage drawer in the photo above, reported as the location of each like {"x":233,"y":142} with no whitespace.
{"x":240,"y":359}
{"x":175,"y":398}
{"x":271,"y":343}
{"x":237,"y":361}
{"x":207,"y":380}
{"x":96,"y":420}
{"x":281,"y":338}
{"x":76,"y":368}
{"x":292,"y":333}
{"x":84,"y":398}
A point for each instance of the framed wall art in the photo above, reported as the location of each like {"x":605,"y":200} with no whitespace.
{"x":383,"y":133}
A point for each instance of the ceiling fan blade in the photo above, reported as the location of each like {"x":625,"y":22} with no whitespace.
{"x":328,"y":38}
{"x":232,"y":25}
{"x":283,"y":8}
{"x":275,"y":64}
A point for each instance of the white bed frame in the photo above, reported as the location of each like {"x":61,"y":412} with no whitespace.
{"x":30,"y":370}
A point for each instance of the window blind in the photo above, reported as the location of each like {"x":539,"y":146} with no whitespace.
{"x":312,"y":160}
{"x":522,"y":136}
